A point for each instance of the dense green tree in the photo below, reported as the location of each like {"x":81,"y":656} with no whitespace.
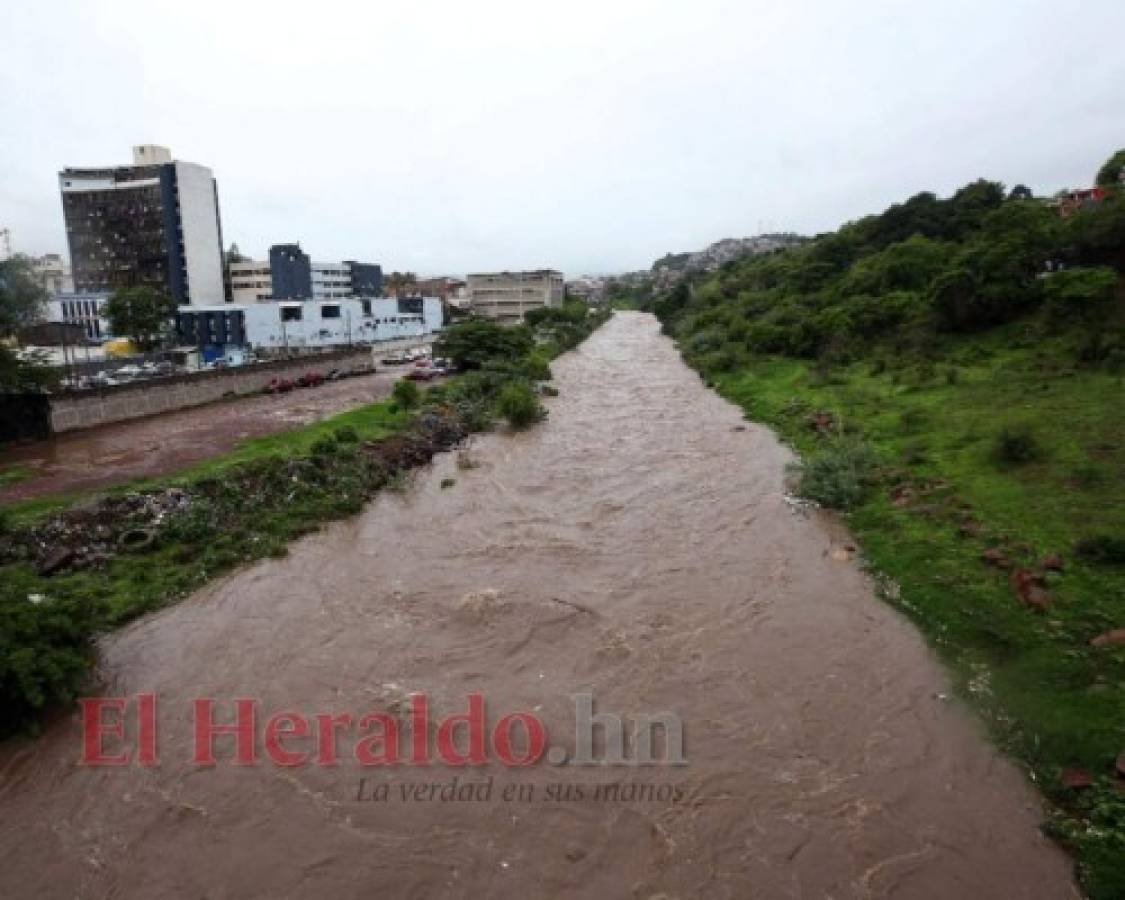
{"x":22,"y":299}
{"x":1111,"y":172}
{"x":477,"y":343}
{"x":139,"y":313}
{"x":22,"y":302}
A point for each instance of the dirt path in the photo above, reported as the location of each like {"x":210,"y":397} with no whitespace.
{"x":98,"y":458}
{"x":640,"y":549}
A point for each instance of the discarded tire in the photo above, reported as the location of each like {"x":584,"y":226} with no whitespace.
{"x":136,"y":540}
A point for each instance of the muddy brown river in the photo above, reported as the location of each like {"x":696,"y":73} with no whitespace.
{"x":636,"y":547}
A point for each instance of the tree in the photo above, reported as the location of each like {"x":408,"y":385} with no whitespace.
{"x":397,"y":282}
{"x":139,"y":313}
{"x":1110,"y":174}
{"x":234,"y":255}
{"x":21,"y":304}
{"x":1021,"y":192}
{"x":22,"y":298}
{"x":477,"y":342}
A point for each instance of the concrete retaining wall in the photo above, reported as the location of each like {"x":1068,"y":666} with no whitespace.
{"x":132,"y":401}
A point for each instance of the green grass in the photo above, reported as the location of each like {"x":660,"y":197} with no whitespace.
{"x":14,"y":474}
{"x":1050,"y":699}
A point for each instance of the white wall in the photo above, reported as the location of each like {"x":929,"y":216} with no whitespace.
{"x":199,"y":219}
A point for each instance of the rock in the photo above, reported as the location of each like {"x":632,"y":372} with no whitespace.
{"x":575,"y":853}
{"x":994,"y":556}
{"x":1028,"y":587}
{"x":739,"y":428}
{"x":1116,"y":636}
{"x":54,"y":561}
{"x":1052,"y":562}
{"x":1077,"y":779}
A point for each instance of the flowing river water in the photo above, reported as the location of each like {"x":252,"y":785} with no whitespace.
{"x":638,"y":547}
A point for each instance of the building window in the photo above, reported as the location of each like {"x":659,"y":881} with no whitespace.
{"x":291,"y":314}
{"x":330,"y":311}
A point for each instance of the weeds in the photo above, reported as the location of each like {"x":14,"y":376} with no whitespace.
{"x":838,"y":476}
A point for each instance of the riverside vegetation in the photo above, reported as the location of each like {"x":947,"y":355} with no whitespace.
{"x":72,"y":570}
{"x":951,"y":373}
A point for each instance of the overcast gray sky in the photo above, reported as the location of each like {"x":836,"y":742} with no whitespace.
{"x":588,"y":136}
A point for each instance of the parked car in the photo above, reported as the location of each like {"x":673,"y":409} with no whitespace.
{"x":422,"y":374}
{"x":278,"y":386}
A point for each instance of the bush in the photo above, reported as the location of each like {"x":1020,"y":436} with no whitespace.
{"x":45,"y":646}
{"x":838,"y":476}
{"x":537,"y":368}
{"x":345,"y":435}
{"x":406,"y":394}
{"x":1015,"y":445}
{"x":1101,"y":548}
{"x":518,"y":404}
{"x":324,"y":446}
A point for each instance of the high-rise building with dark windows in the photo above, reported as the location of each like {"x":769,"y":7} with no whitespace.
{"x":153,"y":223}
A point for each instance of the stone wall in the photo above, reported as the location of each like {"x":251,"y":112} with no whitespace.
{"x":86,"y":409}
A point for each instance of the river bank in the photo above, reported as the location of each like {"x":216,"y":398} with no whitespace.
{"x":988,"y":556}
{"x":637,"y":547}
{"x":75,"y":567}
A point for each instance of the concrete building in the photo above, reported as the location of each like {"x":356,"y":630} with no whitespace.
{"x":84,"y":310}
{"x":291,"y":275}
{"x":153,"y":223}
{"x":298,"y":324}
{"x":52,"y":274}
{"x":505,"y":296}
{"x":5,"y":244}
{"x":250,"y":281}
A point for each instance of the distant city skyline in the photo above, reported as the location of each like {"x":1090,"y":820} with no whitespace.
{"x":591,"y":137}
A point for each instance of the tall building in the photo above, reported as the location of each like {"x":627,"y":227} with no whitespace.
{"x":291,"y":275}
{"x":153,"y":223}
{"x":505,"y":296}
{"x":5,"y":244}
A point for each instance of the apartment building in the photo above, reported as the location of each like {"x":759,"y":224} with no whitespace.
{"x":153,"y":223}
{"x":506,"y":296}
{"x":291,"y":275}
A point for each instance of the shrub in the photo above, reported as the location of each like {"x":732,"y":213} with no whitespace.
{"x":537,"y":368}
{"x":406,"y":394}
{"x":45,"y":645}
{"x":324,"y":446}
{"x":518,"y":404}
{"x":838,"y":476}
{"x":345,"y":435}
{"x":1015,"y":445}
{"x":1101,"y":548}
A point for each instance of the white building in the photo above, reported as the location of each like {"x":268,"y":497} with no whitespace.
{"x":295,"y":324}
{"x":153,"y":223}
{"x":5,"y":244}
{"x":87,"y":310}
{"x":250,"y":281}
{"x":52,"y":274}
{"x":506,"y":296}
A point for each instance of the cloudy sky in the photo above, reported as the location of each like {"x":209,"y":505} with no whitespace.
{"x":588,"y":136}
